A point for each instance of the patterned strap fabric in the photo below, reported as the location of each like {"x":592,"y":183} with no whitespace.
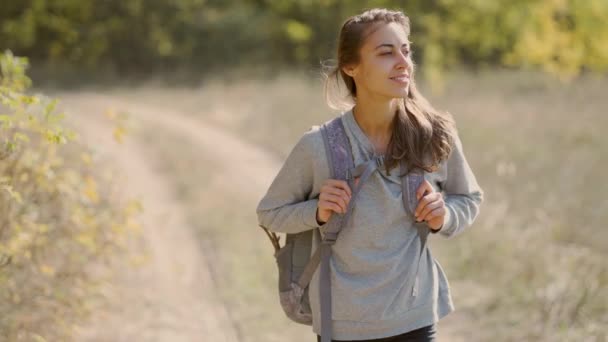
{"x":340,"y":159}
{"x":339,"y":153}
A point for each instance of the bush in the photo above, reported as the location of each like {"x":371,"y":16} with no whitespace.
{"x":58,"y":214}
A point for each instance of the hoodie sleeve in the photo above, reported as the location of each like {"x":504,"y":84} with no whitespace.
{"x":462,"y":195}
{"x":287,"y":207}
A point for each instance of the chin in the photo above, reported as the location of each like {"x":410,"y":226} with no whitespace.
{"x":394,"y":93}
{"x":401,"y":94}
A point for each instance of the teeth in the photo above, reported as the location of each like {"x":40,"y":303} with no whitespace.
{"x":400,"y":78}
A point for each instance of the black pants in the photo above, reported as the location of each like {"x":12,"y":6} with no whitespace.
{"x":424,"y":334}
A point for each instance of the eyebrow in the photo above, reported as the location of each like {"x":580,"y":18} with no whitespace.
{"x":389,"y":45}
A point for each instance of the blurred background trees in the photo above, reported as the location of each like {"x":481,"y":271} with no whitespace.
{"x":564,"y":37}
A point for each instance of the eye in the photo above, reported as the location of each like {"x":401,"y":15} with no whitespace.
{"x":386,"y":53}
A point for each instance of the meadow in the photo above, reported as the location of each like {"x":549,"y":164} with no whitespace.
{"x":531,"y":267}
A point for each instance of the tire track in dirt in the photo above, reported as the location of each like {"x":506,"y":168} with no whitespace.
{"x":171,"y":297}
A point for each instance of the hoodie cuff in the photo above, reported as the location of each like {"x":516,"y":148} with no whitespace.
{"x":447,"y":221}
{"x":309,"y":214}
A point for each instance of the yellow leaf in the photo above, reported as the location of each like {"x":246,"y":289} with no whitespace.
{"x":86,"y":159}
{"x":24,"y":177}
{"x":38,"y":338}
{"x":133,"y":207}
{"x":297,"y":31}
{"x":110,"y":113}
{"x":48,"y":270}
{"x":14,"y":194}
{"x":90,"y":190}
{"x":119,"y":133}
{"x":86,"y":240}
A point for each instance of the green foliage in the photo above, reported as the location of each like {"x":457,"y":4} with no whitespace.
{"x":563,"y":37}
{"x":58,"y":213}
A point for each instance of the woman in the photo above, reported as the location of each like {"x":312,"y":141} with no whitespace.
{"x":378,"y":251}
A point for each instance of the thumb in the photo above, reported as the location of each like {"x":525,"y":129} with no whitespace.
{"x":424,"y":187}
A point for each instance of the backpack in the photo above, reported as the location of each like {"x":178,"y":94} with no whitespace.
{"x":295,"y":260}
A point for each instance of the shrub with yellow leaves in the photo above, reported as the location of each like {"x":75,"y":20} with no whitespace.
{"x":58,"y":213}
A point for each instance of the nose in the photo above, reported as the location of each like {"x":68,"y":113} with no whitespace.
{"x":403,"y":61}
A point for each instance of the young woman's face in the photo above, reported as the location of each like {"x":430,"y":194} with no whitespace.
{"x":385,"y":64}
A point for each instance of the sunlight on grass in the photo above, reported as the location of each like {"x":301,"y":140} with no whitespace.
{"x":530,"y":268}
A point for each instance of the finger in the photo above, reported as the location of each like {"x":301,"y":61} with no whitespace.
{"x":424,"y":187}
{"x":326,"y":205}
{"x":434,"y":200}
{"x":429,"y":208}
{"x":438,"y":212}
{"x":339,"y":184}
{"x":336,"y":191}
{"x":422,"y":202}
{"x":338,"y":200}
{"x":341,"y":202}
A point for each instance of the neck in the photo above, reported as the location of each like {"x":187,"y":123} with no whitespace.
{"x":375,"y":118}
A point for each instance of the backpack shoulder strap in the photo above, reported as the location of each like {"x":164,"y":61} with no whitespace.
{"x":340,"y":159}
{"x":337,"y":148}
{"x":410,"y":182}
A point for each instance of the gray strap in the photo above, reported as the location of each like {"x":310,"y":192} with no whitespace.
{"x":328,"y":240}
{"x":359,"y":169}
{"x":340,"y":160}
{"x":337,"y":148}
{"x":410,"y":183}
{"x":310,"y":268}
{"x":325,"y":293}
{"x":341,"y":164}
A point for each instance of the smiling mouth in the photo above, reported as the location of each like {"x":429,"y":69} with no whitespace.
{"x":401,"y":78}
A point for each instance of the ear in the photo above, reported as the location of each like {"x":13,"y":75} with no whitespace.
{"x":350,"y":70}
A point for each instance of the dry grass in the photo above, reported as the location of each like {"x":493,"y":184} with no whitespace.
{"x":241,"y":263}
{"x":533,"y":265}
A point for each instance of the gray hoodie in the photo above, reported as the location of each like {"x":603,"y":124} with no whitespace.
{"x":377,"y":252}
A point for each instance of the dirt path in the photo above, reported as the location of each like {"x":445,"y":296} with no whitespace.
{"x":172,"y":298}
